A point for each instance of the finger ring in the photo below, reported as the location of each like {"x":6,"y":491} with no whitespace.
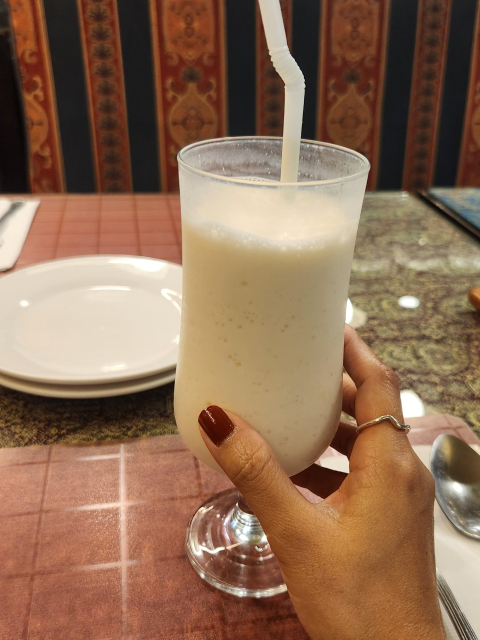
{"x":394,"y":421}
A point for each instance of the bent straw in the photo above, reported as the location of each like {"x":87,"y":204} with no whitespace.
{"x":294,"y":81}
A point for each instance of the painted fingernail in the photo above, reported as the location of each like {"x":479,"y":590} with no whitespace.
{"x":216,"y":424}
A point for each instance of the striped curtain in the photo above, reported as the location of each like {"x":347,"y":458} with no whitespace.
{"x":112,"y":89}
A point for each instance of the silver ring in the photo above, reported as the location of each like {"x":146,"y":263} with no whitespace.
{"x":398,"y":425}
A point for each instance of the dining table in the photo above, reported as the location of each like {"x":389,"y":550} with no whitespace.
{"x":411,"y":274}
{"x":96,"y":494}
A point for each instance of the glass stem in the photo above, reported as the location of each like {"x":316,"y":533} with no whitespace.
{"x":245,"y":524}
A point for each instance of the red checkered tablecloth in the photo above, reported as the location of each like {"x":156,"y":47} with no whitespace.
{"x":75,"y":225}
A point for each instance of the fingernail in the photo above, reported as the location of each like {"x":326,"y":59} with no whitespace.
{"x":216,"y":424}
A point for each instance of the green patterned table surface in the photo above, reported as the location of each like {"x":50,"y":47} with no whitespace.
{"x":404,"y":248}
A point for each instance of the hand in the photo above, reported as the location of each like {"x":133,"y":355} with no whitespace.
{"x":360,"y":564}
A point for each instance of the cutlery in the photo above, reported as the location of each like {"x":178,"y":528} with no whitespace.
{"x":455,"y":613}
{"x":456,"y":470}
{"x":16,"y":204}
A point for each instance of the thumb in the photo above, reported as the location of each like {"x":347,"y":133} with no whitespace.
{"x":251,"y":465}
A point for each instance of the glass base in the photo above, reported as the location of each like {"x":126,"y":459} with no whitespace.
{"x":227,"y":547}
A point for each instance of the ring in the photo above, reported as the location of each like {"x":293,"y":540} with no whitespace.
{"x":398,"y":425}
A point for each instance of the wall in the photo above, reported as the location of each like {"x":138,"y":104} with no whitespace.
{"x":113,"y":88}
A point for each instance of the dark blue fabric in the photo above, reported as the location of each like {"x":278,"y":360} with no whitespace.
{"x":455,"y":89}
{"x":138,"y":72}
{"x":67,"y":62}
{"x":240,"y":17}
{"x":399,"y":68}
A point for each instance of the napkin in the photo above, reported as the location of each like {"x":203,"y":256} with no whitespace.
{"x":14,"y":230}
{"x":458,"y":557}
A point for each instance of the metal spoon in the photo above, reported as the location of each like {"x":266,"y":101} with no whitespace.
{"x":16,"y":204}
{"x":456,"y":470}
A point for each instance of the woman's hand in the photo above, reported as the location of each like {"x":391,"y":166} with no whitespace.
{"x":361,"y":563}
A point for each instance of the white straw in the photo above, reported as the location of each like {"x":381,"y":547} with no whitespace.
{"x":294,"y":81}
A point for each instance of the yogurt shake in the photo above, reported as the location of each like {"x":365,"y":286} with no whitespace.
{"x":266,"y":273}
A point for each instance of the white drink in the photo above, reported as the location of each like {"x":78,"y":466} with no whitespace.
{"x":265,"y":287}
{"x":265,"y":278}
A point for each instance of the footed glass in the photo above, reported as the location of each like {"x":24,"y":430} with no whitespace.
{"x":266,"y":267}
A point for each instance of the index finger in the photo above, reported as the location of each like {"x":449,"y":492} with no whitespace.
{"x":344,"y":438}
{"x":378,"y":394}
{"x":359,"y":360}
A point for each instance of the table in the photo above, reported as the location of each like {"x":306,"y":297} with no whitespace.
{"x":92,"y":545}
{"x":404,"y":248}
{"x":91,"y":536}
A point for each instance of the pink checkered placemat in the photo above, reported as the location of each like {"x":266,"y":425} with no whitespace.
{"x":78,"y":225}
{"x":91,"y":545}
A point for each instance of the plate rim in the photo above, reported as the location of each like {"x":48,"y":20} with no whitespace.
{"x":85,"y":392}
{"x":71,"y":381}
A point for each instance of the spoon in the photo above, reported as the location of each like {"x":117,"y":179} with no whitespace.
{"x":456,"y":470}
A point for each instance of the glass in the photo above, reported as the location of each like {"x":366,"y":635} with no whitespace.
{"x":266,"y":267}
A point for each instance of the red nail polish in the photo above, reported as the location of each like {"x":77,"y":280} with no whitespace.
{"x":216,"y":424}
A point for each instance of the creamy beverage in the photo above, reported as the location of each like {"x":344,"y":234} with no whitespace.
{"x":266,"y":273}
{"x":266,"y":265}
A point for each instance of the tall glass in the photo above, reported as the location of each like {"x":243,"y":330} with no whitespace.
{"x":266,"y":267}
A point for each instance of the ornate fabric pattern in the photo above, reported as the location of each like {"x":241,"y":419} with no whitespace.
{"x":38,"y":91}
{"x":270,"y":88}
{"x":189,"y":55}
{"x":173,"y":79}
{"x":352,"y":66}
{"x":426,"y":96}
{"x":106,"y":94}
{"x":469,"y":165}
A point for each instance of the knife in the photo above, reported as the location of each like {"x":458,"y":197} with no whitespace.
{"x":16,"y":204}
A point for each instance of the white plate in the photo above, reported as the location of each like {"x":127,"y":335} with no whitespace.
{"x":85,"y":390}
{"x":98,"y":319}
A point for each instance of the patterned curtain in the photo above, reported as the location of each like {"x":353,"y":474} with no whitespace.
{"x":112,"y":89}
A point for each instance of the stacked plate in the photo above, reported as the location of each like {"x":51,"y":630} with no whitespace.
{"x":90,"y":327}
